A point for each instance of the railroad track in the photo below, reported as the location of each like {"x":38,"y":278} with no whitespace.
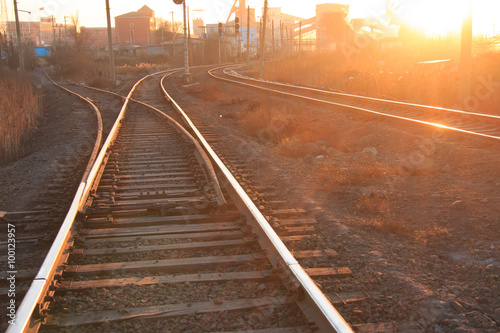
{"x":464,"y":122}
{"x":160,"y":236}
{"x":37,"y":227}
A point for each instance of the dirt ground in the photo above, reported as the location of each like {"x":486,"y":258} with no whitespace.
{"x":413,"y":212}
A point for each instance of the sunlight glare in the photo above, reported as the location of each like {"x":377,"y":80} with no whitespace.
{"x":436,"y":18}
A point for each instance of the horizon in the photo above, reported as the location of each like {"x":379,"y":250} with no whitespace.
{"x":416,"y":15}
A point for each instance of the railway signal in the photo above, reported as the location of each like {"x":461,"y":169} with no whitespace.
{"x":237,"y":25}
{"x":178,"y":2}
{"x":220,"y":29}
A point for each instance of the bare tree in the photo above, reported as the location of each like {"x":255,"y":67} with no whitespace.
{"x":80,"y":38}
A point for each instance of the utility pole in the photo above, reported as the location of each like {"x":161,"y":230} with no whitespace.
{"x":110,"y":44}
{"x":259,"y":32}
{"x":219,"y":27}
{"x":65,"y":32}
{"x":204,"y":39}
{"x":236,"y":44}
{"x":272,"y":29}
{"x":187,"y":76}
{"x":173,"y":37}
{"x":263,"y":41}
{"x":190,"y":45}
{"x":281,"y":38}
{"x":54,"y":33}
{"x":248,"y":36}
{"x":19,"y":41}
{"x":300,"y":38}
{"x":466,"y":54}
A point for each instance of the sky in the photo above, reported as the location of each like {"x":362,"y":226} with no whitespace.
{"x":433,"y":15}
{"x":92,"y":12}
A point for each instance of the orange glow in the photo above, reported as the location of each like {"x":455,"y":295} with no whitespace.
{"x":436,"y":18}
{"x":443,"y":17}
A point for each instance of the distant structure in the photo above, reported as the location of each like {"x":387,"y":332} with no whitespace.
{"x":240,"y":11}
{"x":36,"y":33}
{"x":332,"y":25}
{"x":284,"y":28}
{"x":4,"y":17}
{"x":98,"y":37}
{"x":134,"y":28}
{"x":198,"y":23}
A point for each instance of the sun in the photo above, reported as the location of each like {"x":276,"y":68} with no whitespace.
{"x":435,"y":17}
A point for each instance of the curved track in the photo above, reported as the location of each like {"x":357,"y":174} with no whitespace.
{"x":37,"y":228}
{"x":156,"y":238}
{"x":469,"y":123}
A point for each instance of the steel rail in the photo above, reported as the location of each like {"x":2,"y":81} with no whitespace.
{"x":212,"y":177}
{"x":356,"y":107}
{"x":311,"y":300}
{"x":59,"y":251}
{"x":387,"y":101}
{"x":97,"y":143}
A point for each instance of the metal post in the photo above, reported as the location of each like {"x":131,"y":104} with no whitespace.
{"x":173,"y":37}
{"x":300,"y":38}
{"x":248,"y":36}
{"x":263,"y":41}
{"x":19,"y":41}
{"x":291,"y":41}
{"x":186,"y":76}
{"x":65,"y":32}
{"x":190,"y":44}
{"x":466,"y":55}
{"x":218,"y":39}
{"x":235,"y":38}
{"x":281,"y":38}
{"x":272,"y":25}
{"x":53,"y":33}
{"x":110,"y":44}
{"x":259,"y":32}
{"x":203,"y":45}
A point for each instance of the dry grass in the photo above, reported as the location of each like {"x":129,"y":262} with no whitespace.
{"x":283,"y":124}
{"x":431,"y":231}
{"x":397,"y":75}
{"x":140,"y":69}
{"x":363,"y":172}
{"x":70,"y":65}
{"x":211,"y":92}
{"x":156,"y":59}
{"x":81,"y":67}
{"x":372,"y":205}
{"x":389,"y":226}
{"x":19,"y":111}
{"x":101,"y":83}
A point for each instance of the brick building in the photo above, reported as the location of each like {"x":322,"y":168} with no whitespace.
{"x":135,"y":28}
{"x":36,"y":33}
{"x":98,"y":37}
